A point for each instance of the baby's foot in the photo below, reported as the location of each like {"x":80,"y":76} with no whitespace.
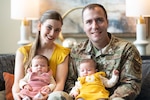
{"x":38,"y":96}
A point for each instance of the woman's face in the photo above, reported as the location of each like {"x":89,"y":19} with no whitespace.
{"x":50,"y":30}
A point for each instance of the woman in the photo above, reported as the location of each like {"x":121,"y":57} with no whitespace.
{"x":49,"y":27}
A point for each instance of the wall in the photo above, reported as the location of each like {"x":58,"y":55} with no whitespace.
{"x":10,"y":30}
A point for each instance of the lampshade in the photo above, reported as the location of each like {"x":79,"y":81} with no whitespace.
{"x":25,"y":9}
{"x":136,"y":8}
{"x":139,"y":9}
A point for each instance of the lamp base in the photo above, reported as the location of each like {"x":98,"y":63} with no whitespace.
{"x":24,"y":33}
{"x":69,"y":42}
{"x":24,"y":42}
{"x":141,"y":46}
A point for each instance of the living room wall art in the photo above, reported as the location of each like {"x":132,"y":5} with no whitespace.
{"x":119,"y":24}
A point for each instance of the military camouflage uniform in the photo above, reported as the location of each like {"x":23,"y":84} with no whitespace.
{"x":118,"y":54}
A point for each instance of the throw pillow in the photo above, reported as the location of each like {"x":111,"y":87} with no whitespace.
{"x":9,"y":80}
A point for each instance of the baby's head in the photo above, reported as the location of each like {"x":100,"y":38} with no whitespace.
{"x":87,"y":67}
{"x":40,"y":64}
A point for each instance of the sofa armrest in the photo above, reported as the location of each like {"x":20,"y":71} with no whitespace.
{"x":145,"y":88}
{"x":2,"y":95}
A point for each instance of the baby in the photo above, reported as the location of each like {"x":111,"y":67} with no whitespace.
{"x":38,"y":82}
{"x":91,"y":84}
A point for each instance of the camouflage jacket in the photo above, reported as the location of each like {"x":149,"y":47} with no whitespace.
{"x":118,"y":54}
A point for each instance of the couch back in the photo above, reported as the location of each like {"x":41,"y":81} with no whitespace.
{"x":7,"y":64}
{"x":145,"y":89}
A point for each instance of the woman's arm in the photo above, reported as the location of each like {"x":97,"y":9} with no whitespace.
{"x":18,"y":73}
{"x":23,"y":81}
{"x":61,"y":75}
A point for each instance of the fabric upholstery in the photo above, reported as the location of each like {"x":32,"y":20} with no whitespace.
{"x":9,"y":80}
{"x":145,"y":89}
{"x":7,"y":63}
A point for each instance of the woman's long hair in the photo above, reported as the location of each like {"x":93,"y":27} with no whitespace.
{"x":50,"y":14}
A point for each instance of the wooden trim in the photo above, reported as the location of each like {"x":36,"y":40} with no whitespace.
{"x":83,"y":35}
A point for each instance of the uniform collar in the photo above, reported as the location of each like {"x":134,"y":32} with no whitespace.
{"x":107,"y":50}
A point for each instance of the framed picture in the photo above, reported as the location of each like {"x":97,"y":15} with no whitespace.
{"x":119,"y":24}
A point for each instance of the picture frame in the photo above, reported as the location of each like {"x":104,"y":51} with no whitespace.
{"x":119,"y":24}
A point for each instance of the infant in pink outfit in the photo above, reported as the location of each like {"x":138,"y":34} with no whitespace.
{"x":38,"y":82}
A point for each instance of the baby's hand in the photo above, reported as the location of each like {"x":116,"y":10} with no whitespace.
{"x":27,"y":87}
{"x":115,"y":75}
{"x":45,"y":90}
{"x":74,"y":94}
{"x":115,"y":72}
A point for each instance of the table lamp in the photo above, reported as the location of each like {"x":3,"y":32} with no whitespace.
{"x":25,"y":10}
{"x":139,"y":9}
{"x":69,"y":42}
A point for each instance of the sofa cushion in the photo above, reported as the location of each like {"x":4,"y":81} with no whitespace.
{"x":7,"y":63}
{"x":9,"y":80}
{"x":2,"y":95}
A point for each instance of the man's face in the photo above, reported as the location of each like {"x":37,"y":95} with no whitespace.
{"x":95,"y":24}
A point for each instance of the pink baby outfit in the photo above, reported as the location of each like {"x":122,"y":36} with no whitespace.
{"x":36,"y":81}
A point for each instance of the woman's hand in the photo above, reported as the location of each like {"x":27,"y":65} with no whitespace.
{"x":27,"y":87}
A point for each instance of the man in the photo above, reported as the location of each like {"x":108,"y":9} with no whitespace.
{"x":109,"y":52}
